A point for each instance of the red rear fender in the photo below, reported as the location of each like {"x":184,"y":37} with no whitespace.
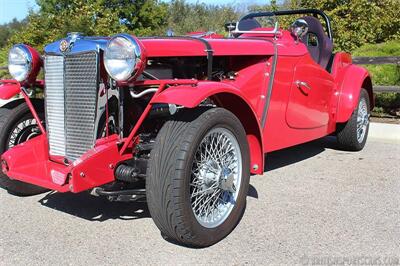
{"x":351,"y":79}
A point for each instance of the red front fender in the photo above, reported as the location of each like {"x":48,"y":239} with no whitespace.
{"x":351,"y":79}
{"x":191,"y":96}
{"x":228,"y":97}
{"x":9,"y":89}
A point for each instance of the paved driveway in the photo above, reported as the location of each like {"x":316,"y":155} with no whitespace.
{"x":313,"y":205}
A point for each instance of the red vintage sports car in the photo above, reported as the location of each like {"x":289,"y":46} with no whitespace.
{"x":181,"y":121}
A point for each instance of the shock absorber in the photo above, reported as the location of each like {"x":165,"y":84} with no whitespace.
{"x":127,"y":173}
{"x":132,"y":171}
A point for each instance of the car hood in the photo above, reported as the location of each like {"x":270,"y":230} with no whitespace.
{"x":77,"y":44}
{"x":186,"y":46}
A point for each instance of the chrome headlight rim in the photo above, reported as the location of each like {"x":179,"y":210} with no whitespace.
{"x":29,"y":61}
{"x":138,"y":57}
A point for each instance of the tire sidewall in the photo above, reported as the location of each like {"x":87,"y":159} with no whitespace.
{"x":347,"y":132}
{"x":234,"y":126}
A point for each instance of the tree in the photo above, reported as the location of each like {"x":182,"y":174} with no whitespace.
{"x":358,"y":22}
{"x":56,"y":18}
{"x":354,"y":22}
{"x":8,"y":29}
{"x":184,"y":17}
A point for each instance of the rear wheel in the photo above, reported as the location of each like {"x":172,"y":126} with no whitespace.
{"x":353,"y":134}
{"x":198,"y":176}
{"x":17,"y":125}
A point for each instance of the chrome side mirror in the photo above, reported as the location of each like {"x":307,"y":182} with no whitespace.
{"x":170,"y":33}
{"x":229,"y":27}
{"x":299,"y":28}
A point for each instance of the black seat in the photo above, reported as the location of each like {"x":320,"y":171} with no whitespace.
{"x":318,"y":43}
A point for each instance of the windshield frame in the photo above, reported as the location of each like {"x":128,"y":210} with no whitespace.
{"x":314,"y":12}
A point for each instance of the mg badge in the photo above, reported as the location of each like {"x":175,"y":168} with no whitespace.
{"x":64,"y":45}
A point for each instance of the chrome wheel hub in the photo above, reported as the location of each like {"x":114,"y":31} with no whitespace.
{"x":216,"y":177}
{"x":362,"y":120}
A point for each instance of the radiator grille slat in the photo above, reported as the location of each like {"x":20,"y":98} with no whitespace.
{"x":55,"y":111}
{"x":81,"y":101}
{"x":71,"y":103}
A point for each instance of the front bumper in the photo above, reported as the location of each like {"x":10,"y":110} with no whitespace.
{"x":30,"y":162}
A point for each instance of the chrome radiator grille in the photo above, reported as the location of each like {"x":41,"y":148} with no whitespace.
{"x":71,"y":103}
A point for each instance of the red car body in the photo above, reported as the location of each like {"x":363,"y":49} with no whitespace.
{"x":266,"y":94}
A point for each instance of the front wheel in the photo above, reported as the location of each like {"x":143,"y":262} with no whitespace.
{"x":17,"y":125}
{"x":198,"y":176}
{"x":353,"y":134}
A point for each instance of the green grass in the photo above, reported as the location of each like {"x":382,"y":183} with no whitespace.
{"x":386,"y":103}
{"x":382,"y":74}
{"x":390,"y":48}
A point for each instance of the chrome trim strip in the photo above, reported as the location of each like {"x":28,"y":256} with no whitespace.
{"x":271,"y":80}
{"x":270,"y":86}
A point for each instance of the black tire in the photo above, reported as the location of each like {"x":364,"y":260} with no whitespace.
{"x":347,"y":132}
{"x":169,"y":172}
{"x":9,"y":119}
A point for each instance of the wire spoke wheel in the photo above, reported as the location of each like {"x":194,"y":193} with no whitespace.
{"x":216,"y":177}
{"x":23,"y":131}
{"x":362,"y":120}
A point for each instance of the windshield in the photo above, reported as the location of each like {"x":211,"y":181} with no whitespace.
{"x":267,"y":22}
{"x":285,"y":18}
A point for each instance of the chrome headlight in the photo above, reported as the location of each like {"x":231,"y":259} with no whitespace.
{"x":20,"y":62}
{"x":123,"y":57}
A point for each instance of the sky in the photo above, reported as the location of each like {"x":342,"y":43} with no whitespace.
{"x":10,"y":9}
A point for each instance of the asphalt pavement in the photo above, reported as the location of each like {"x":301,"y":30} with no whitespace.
{"x":314,"y":205}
